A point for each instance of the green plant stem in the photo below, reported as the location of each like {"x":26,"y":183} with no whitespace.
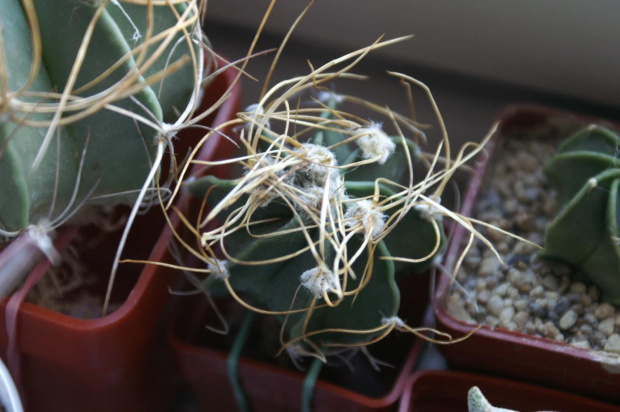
{"x":309,"y":384}
{"x":232,"y":362}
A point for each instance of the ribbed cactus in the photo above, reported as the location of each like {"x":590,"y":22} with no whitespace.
{"x":311,"y":229}
{"x":586,"y":174}
{"x":84,"y":93}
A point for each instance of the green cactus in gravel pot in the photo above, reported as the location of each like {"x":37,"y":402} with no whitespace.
{"x":87,"y":91}
{"x":586,"y":174}
{"x":322,"y":223}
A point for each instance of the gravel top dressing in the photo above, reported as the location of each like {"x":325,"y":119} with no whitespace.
{"x":545,"y":299}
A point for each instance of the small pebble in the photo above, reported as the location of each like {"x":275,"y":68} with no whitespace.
{"x":568,"y":320}
{"x":550,"y":330}
{"x":578,"y":307}
{"x":457,"y":309}
{"x":578,"y":288}
{"x":537,"y":292}
{"x":522,"y":305}
{"x":506,"y":317}
{"x":582,"y":344}
{"x":483,"y":297}
{"x":597,"y":340}
{"x":613,"y":344}
{"x":585,"y":329}
{"x":530,"y":327}
{"x":492,"y":321}
{"x":538,"y":310}
{"x":607,"y":326}
{"x":575,"y":297}
{"x":495,"y":305}
{"x":590,"y":319}
{"x":501,"y":289}
{"x":489,"y":266}
{"x":562,"y":306}
{"x":521,"y":318}
{"x":604,"y":311}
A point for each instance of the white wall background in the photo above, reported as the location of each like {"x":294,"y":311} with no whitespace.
{"x":568,"y":47}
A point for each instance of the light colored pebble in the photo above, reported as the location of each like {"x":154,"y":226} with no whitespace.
{"x":492,"y":321}
{"x":568,"y":320}
{"x":495,"y":305}
{"x":457,"y":309}
{"x":582,"y":344}
{"x":607,"y":326}
{"x":530,"y":327}
{"x":613,"y":344}
{"x":483,"y":297}
{"x":501,"y":289}
{"x":550,"y":330}
{"x":522,"y":305}
{"x":521,"y":318}
{"x":489,"y":266}
{"x":506,"y":317}
{"x":537,"y":292}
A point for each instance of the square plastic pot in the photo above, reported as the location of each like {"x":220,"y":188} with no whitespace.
{"x":446,"y":391}
{"x":513,"y":354}
{"x":202,"y":362}
{"x":121,"y":361}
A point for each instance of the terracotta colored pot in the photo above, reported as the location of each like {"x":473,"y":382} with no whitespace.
{"x":119,"y":362}
{"x":446,"y":391}
{"x":202,"y":361}
{"x":515,"y":354}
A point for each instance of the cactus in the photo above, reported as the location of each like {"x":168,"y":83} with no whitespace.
{"x":83,"y":100}
{"x":586,"y":174}
{"x":313,"y":229}
{"x":476,"y":402}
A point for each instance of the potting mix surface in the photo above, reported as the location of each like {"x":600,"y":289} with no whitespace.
{"x":545,"y":299}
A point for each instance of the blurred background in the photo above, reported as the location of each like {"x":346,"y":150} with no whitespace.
{"x":477,"y":57}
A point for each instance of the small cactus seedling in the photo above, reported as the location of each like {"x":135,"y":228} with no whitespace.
{"x":586,"y":174}
{"x":476,"y":402}
{"x":325,"y":218}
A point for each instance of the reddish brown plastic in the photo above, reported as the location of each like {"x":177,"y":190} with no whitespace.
{"x":446,"y":391}
{"x":118,"y":362}
{"x":272,"y":388}
{"x":515,"y":354}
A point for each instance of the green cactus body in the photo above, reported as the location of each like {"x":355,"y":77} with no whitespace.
{"x":277,"y":287}
{"x":115,"y":149}
{"x":586,"y":174}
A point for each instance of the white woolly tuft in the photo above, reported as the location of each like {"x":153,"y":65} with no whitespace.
{"x":431,"y":210}
{"x":365,"y":213}
{"x":318,"y":280}
{"x":374,"y":142}
{"x":318,"y":162}
{"x":325,"y":96}
{"x":219,"y":269}
{"x":394,"y":320}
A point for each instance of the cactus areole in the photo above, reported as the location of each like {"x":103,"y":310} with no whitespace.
{"x":81,"y":87}
{"x":312,"y":229}
{"x":586,"y":174}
